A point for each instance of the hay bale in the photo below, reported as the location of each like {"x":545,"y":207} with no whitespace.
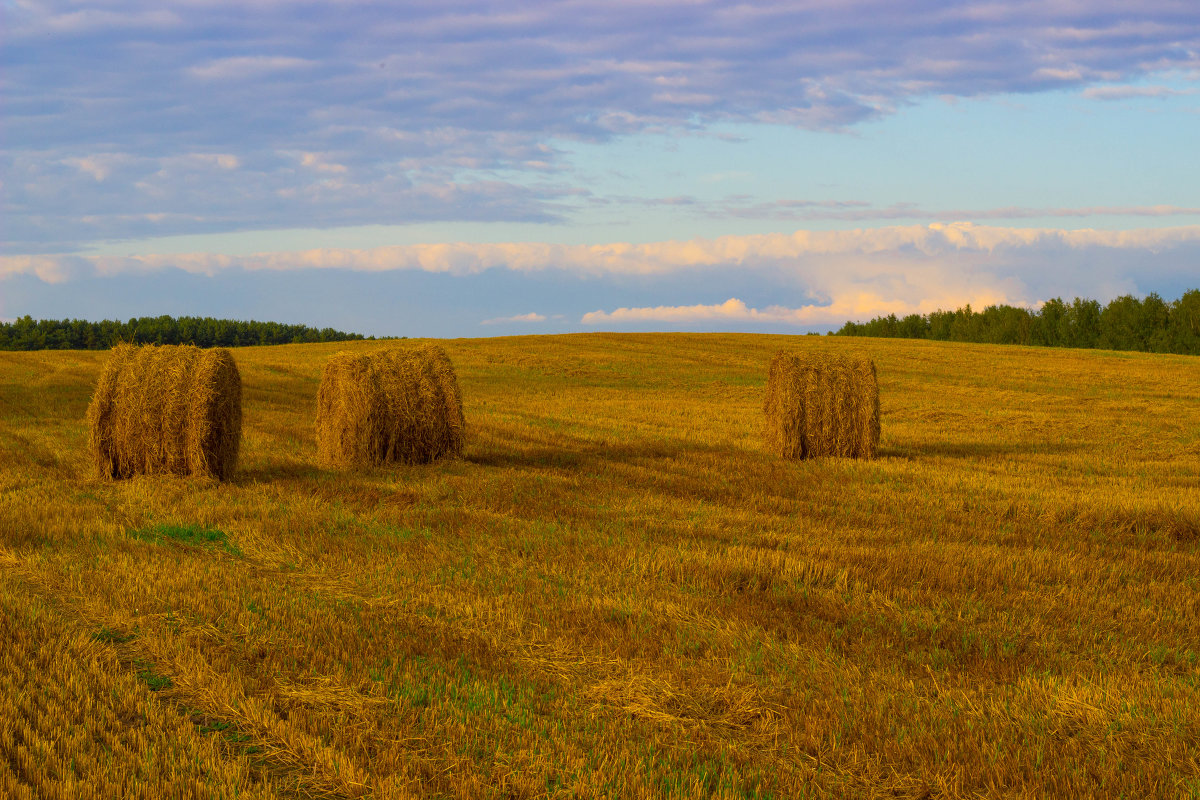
{"x":397,"y":405}
{"x":822,"y":404}
{"x":173,"y":409}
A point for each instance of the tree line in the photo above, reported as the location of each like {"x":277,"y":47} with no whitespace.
{"x":27,"y":333}
{"x":1151,"y":324}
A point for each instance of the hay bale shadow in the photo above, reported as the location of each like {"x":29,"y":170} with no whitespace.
{"x":975,"y":450}
{"x":279,"y":471}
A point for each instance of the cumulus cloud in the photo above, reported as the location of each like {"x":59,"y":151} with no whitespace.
{"x":836,"y":275}
{"x":852,"y":305}
{"x":802,"y":251}
{"x":731,"y":310}
{"x":48,"y":269}
{"x":530,"y":317}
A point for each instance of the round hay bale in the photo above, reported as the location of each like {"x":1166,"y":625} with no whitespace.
{"x":399,"y":405}
{"x":169,"y":409}
{"x":822,"y":404}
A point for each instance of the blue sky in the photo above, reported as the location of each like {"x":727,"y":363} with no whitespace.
{"x":457,"y":168}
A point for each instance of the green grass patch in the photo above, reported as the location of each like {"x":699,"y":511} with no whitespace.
{"x":188,"y":535}
{"x":147,"y":674}
{"x":107,"y":635}
{"x":214,"y":726}
{"x":226,"y":729}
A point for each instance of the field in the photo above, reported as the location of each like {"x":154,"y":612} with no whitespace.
{"x":617,"y":592}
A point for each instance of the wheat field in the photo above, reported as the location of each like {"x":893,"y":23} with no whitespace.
{"x":616,"y":591}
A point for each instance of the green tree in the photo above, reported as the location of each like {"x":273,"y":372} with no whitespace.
{"x":1122,"y":326}
{"x":1184,"y":323}
{"x":1156,"y":324}
{"x":26,"y":333}
{"x":966,"y":326}
{"x":914,"y":326}
{"x":1004,"y":325}
{"x":941,"y":323}
{"x":1050,"y":325}
{"x":1083,"y":323}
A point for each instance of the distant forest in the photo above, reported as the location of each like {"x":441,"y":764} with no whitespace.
{"x":1151,"y":325}
{"x":76,"y":334}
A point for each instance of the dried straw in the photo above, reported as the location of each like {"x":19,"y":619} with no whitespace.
{"x":173,"y":409}
{"x":397,"y":405}
{"x":822,"y":404}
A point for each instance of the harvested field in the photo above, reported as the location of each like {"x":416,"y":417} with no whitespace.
{"x":617,"y":591}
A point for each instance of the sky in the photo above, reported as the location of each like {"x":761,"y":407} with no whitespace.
{"x":459,"y":168}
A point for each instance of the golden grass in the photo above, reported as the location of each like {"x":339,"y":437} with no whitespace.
{"x":616,"y":591}
{"x":821,"y":404}
{"x":401,"y":404}
{"x":173,"y":409}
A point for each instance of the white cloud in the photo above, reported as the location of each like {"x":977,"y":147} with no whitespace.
{"x":873,"y":251}
{"x":731,"y":309}
{"x":320,"y":163}
{"x":849,"y":305}
{"x":530,"y":317}
{"x":240,"y":67}
{"x":1127,"y":92}
{"x":819,"y":277}
{"x":1064,"y":74}
{"x":222,"y":160}
{"x":859,"y":211}
{"x":99,"y":166}
{"x":48,"y":269}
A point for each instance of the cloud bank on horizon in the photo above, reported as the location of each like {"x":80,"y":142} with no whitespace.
{"x":839,"y":275}
{"x":127,"y":121}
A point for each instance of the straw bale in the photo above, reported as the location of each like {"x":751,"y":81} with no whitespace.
{"x":169,"y":409}
{"x":400,"y":405}
{"x":822,"y":404}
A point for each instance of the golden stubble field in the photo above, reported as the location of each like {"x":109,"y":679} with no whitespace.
{"x":617,"y":592}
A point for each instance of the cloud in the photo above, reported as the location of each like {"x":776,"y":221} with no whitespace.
{"x":99,"y":166}
{"x":417,"y":95}
{"x":222,"y":160}
{"x":856,"y":305}
{"x":531,"y":317}
{"x":320,"y":163}
{"x":731,"y":309}
{"x":242,"y":67}
{"x":48,"y":269}
{"x":803,"y":251}
{"x":41,"y":18}
{"x":859,"y":211}
{"x":63,"y":206}
{"x":1127,"y":92}
{"x":802,"y":278}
